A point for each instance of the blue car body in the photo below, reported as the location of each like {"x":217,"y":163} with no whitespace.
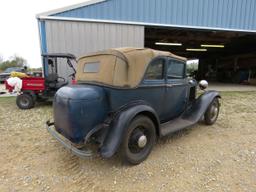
{"x":96,"y":112}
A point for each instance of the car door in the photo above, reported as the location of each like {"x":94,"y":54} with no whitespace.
{"x":153,"y":85}
{"x":176,"y":88}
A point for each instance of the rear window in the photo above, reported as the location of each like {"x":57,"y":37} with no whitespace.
{"x":92,"y":67}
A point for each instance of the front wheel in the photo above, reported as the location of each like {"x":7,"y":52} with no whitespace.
{"x":25,"y":101}
{"x":212,"y":113}
{"x":139,"y":140}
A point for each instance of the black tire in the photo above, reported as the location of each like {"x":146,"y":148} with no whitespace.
{"x":130,"y":150}
{"x":212,"y":112}
{"x":25,"y":101}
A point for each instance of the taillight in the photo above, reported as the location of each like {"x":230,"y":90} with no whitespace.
{"x":73,"y":82}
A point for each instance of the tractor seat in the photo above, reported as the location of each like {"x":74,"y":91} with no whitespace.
{"x":52,"y":81}
{"x":53,"y":77}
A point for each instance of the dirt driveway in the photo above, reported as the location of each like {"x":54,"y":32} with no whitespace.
{"x":216,"y":158}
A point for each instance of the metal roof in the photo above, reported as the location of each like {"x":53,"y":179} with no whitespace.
{"x":68,"y":8}
{"x":237,"y":15}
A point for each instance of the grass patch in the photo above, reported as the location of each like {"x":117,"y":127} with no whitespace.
{"x":7,"y":99}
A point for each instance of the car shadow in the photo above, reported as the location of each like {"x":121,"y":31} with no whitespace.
{"x":116,"y":160}
{"x":44,"y":103}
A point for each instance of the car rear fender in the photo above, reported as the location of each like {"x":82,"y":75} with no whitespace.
{"x":119,"y":125}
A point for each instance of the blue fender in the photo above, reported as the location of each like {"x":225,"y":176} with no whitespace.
{"x":200,"y":106}
{"x":195,"y":112}
{"x":120,"y":124}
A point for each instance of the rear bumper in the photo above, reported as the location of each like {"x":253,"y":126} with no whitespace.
{"x":83,"y":153}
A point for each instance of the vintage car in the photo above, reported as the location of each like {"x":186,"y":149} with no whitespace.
{"x":125,"y":99}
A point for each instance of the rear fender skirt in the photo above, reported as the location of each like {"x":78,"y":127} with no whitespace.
{"x":119,"y":125}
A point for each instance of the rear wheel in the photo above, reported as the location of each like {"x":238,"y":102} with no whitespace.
{"x":139,"y":140}
{"x":212,"y":113}
{"x":25,"y":101}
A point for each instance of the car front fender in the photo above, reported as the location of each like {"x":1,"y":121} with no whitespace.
{"x":200,"y":106}
{"x":120,"y":124}
{"x":192,"y":114}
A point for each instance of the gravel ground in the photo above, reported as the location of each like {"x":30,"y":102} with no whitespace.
{"x":221,"y":157}
{"x":231,"y":87}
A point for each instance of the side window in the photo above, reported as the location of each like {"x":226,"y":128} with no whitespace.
{"x":175,"y":69}
{"x":155,"y":70}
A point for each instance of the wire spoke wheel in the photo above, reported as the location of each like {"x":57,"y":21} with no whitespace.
{"x":212,"y":113}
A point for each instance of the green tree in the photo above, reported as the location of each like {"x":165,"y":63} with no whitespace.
{"x":20,"y":62}
{"x":15,"y":61}
{"x":1,"y":59}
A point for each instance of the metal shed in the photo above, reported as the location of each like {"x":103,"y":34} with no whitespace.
{"x":101,"y":24}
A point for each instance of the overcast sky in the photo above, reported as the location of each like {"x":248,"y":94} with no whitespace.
{"x":18,"y":27}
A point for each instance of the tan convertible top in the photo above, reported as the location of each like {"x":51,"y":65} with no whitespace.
{"x":121,"y":67}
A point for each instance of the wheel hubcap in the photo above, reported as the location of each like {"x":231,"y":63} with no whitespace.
{"x":24,"y":102}
{"x":138,"y":140}
{"x":142,"y":141}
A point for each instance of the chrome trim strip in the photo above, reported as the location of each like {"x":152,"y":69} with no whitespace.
{"x":152,"y":85}
{"x":161,"y":85}
{"x":177,"y":84}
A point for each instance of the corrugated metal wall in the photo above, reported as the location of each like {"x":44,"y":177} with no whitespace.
{"x":80,"y":38}
{"x":224,"y":14}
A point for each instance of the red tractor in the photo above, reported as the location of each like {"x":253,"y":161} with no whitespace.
{"x":38,"y":89}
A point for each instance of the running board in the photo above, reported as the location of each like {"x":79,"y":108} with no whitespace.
{"x":175,"y":125}
{"x":191,"y":115}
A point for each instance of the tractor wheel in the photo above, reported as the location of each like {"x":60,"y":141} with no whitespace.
{"x":25,"y":101}
{"x":138,"y":141}
{"x":212,"y":113}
